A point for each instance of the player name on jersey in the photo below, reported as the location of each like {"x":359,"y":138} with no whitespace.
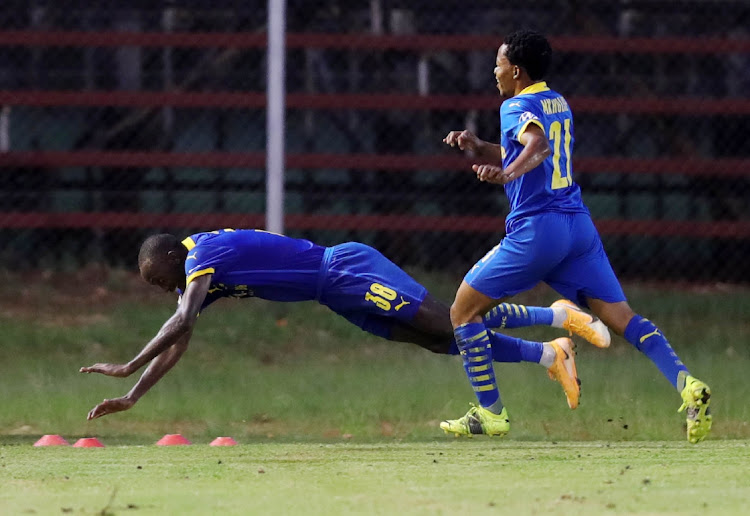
{"x":554,"y":105}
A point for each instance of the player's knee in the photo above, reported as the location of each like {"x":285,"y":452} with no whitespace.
{"x":455,"y":314}
{"x":460,"y":316}
{"x":433,"y":317}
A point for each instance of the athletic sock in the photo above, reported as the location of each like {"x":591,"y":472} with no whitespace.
{"x":476,"y":352}
{"x":548,"y":355}
{"x":648,"y":339}
{"x":512,"y":349}
{"x":559,"y":316}
{"x":508,"y":315}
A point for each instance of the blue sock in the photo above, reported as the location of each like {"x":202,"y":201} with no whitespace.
{"x":509,"y":349}
{"x":476,"y":352}
{"x":648,"y":339}
{"x":508,"y":315}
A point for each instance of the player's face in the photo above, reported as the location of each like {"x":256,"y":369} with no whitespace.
{"x":504,"y":73}
{"x":165,"y":274}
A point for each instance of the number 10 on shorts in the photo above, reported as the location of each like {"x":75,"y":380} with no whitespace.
{"x":381,"y":296}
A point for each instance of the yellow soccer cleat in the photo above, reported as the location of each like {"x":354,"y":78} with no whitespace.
{"x":696,"y":397}
{"x":584,"y":325}
{"x":564,"y":370}
{"x":478,"y":420}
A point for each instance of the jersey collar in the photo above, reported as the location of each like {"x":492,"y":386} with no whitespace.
{"x":535,"y":88}
{"x":189,"y":243}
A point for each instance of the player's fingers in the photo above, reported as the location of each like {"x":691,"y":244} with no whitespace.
{"x":96,"y":368}
{"x":99,"y":411}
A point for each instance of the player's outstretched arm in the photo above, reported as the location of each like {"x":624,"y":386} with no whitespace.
{"x":158,"y":367}
{"x":469,"y":142}
{"x":180,"y":324}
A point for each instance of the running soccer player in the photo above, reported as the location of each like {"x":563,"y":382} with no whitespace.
{"x":352,"y":279}
{"x":550,"y":237}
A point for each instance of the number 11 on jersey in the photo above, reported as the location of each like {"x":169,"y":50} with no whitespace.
{"x":556,"y":130}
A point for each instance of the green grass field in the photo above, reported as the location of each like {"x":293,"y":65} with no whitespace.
{"x":388,"y":477}
{"x":341,"y":422}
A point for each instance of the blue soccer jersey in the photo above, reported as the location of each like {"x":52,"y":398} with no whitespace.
{"x":354,"y":280}
{"x":550,"y":186}
{"x":549,"y":233}
{"x":254,"y":263}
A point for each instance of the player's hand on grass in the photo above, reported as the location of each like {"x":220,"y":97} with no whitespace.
{"x":117,"y":370}
{"x":466,"y":140}
{"x":110,"y":407}
{"x":492,"y":174}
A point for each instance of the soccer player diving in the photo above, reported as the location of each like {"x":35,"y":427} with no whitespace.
{"x":352,"y":279}
{"x":550,"y":237}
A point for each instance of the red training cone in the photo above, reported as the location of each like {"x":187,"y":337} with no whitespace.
{"x":51,"y":440}
{"x":223,"y":441}
{"x":172,"y":440}
{"x":88,"y":442}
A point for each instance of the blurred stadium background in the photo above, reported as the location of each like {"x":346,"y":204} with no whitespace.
{"x":123,"y":118}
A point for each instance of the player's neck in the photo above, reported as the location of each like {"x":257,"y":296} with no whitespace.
{"x":522,"y":84}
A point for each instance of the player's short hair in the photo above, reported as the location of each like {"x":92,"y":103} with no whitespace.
{"x":156,"y":246}
{"x":530,"y":50}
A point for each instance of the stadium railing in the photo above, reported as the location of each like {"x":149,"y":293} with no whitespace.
{"x":726,"y":167}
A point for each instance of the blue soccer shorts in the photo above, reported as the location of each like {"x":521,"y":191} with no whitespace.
{"x":366,"y":288}
{"x":561,"y":249}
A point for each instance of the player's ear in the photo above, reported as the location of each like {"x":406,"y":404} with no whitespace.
{"x":174,"y":257}
{"x":516,"y":72}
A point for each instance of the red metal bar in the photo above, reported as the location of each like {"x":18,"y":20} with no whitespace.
{"x":687,"y":106}
{"x":689,"y":166}
{"x":82,"y":98}
{"x":77,"y":220}
{"x":59,"y":38}
{"x":739,"y":230}
{"x":345,"y":41}
{"x":54,"y":159}
{"x":257,"y":100}
{"x":726,"y":167}
{"x":397,"y":223}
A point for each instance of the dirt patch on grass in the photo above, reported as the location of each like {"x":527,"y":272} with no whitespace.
{"x":71,"y":298}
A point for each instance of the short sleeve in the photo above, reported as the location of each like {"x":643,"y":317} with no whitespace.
{"x":516,"y":115}
{"x":203,"y":260}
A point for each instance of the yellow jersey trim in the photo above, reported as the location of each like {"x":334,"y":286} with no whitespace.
{"x":189,"y":243}
{"x":526,"y":125}
{"x":534,"y":88}
{"x":194,"y":275}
